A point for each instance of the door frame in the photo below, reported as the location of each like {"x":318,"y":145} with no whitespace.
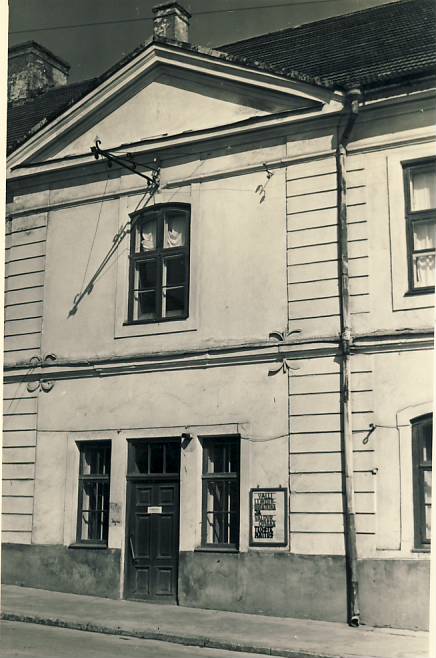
{"x":169,"y":477}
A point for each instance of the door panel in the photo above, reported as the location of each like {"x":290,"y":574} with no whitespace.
{"x":152,"y":535}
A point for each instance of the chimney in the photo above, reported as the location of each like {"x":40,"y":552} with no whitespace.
{"x":32,"y":70}
{"x":171,"y":21}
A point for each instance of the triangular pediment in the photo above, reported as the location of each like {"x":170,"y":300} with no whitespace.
{"x":163,"y":92}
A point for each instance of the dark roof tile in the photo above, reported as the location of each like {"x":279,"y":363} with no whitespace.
{"x":381,"y":43}
{"x":24,"y":119}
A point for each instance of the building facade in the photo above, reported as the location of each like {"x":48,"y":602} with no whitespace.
{"x":218,"y":373}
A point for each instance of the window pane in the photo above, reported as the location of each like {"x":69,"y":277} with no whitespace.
{"x":427,"y":486}
{"x":173,"y":302}
{"x":174,"y":229}
{"x":423,"y":189}
{"x":427,"y":444}
{"x":156,"y":458}
{"x":95,"y":460}
{"x":222,"y":512}
{"x":173,"y":270}
{"x":428,"y":523}
{"x":146,"y":274}
{"x":94,"y":506}
{"x":145,"y":305}
{"x":233,"y":458}
{"x":424,"y":270}
{"x":215,"y":516}
{"x":140,"y":458}
{"x":146,"y":236}
{"x":172,"y":464}
{"x":424,"y":234}
{"x":215,"y":458}
{"x":89,"y":461}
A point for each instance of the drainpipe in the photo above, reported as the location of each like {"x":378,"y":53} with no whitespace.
{"x":353,"y":97}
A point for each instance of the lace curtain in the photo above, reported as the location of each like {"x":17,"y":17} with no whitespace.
{"x":424,"y":237}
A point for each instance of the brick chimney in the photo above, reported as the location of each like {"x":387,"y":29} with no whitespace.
{"x":171,"y":21}
{"x":32,"y":70}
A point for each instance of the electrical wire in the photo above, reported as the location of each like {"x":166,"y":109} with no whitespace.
{"x":197,"y":13}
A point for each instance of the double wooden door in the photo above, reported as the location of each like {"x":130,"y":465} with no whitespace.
{"x":152,"y":541}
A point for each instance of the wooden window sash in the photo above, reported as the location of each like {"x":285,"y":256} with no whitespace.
{"x":103,"y":478}
{"x":160,"y":253}
{"x":412,"y":216}
{"x":230,"y":477}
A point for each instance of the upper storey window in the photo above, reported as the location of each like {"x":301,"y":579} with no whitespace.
{"x":159,"y":264}
{"x":420,"y":199}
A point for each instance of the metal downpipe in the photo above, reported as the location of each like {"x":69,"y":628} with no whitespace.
{"x":353,"y":97}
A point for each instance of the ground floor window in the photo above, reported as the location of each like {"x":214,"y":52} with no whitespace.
{"x":94,"y":483}
{"x":221,"y":482}
{"x":422,"y":431}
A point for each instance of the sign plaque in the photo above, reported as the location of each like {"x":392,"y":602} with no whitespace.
{"x":157,"y":509}
{"x":268,"y":517}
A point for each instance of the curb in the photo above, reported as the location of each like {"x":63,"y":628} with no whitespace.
{"x":187,"y":640}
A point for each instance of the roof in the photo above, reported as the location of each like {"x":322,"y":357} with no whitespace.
{"x":25,"y":119}
{"x":367,"y":48}
{"x":377,"y":45}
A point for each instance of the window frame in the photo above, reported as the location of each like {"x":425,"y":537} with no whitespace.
{"x":105,"y":478}
{"x":412,"y":217}
{"x":159,"y":254}
{"x":230,"y":477}
{"x":420,"y":540}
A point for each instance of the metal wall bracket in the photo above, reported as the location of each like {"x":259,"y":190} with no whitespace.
{"x":127,"y":161}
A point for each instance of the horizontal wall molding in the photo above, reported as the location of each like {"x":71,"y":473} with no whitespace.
{"x":218,"y":356}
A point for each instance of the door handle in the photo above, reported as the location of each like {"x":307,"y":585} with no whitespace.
{"x":131,"y":549}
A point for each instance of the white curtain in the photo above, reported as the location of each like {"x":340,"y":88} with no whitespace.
{"x":174,"y":233}
{"x":423,"y":190}
{"x":148,"y":236}
{"x":424,"y":270}
{"x":424,"y":235}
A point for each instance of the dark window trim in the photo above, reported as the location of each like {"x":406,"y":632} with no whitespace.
{"x":159,"y":253}
{"x":421,"y":544}
{"x":90,"y":543}
{"x":411,"y":218}
{"x":206,"y":477}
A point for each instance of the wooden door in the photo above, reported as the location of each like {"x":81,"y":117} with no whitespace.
{"x":152,"y":545}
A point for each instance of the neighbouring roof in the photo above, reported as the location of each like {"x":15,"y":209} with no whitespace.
{"x":368,"y":48}
{"x":25,"y":119}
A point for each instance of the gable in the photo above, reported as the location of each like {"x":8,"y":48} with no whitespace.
{"x":168,"y":102}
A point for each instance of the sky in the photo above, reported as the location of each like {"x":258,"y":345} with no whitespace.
{"x":91,"y":35}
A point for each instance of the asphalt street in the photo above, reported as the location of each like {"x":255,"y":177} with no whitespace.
{"x":35,"y":641}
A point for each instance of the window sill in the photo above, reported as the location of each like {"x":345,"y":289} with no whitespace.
{"x":419,"y":291}
{"x":129,"y":323}
{"x":421,"y":550}
{"x":88,"y":545}
{"x":216,"y":549}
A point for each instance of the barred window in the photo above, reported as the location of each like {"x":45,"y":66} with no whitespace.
{"x":94,"y":483}
{"x":221,"y":481}
{"x":422,"y":431}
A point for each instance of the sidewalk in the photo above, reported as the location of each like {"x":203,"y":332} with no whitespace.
{"x":293,"y":638}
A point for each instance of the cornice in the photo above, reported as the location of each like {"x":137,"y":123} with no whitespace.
{"x":261,"y":352}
